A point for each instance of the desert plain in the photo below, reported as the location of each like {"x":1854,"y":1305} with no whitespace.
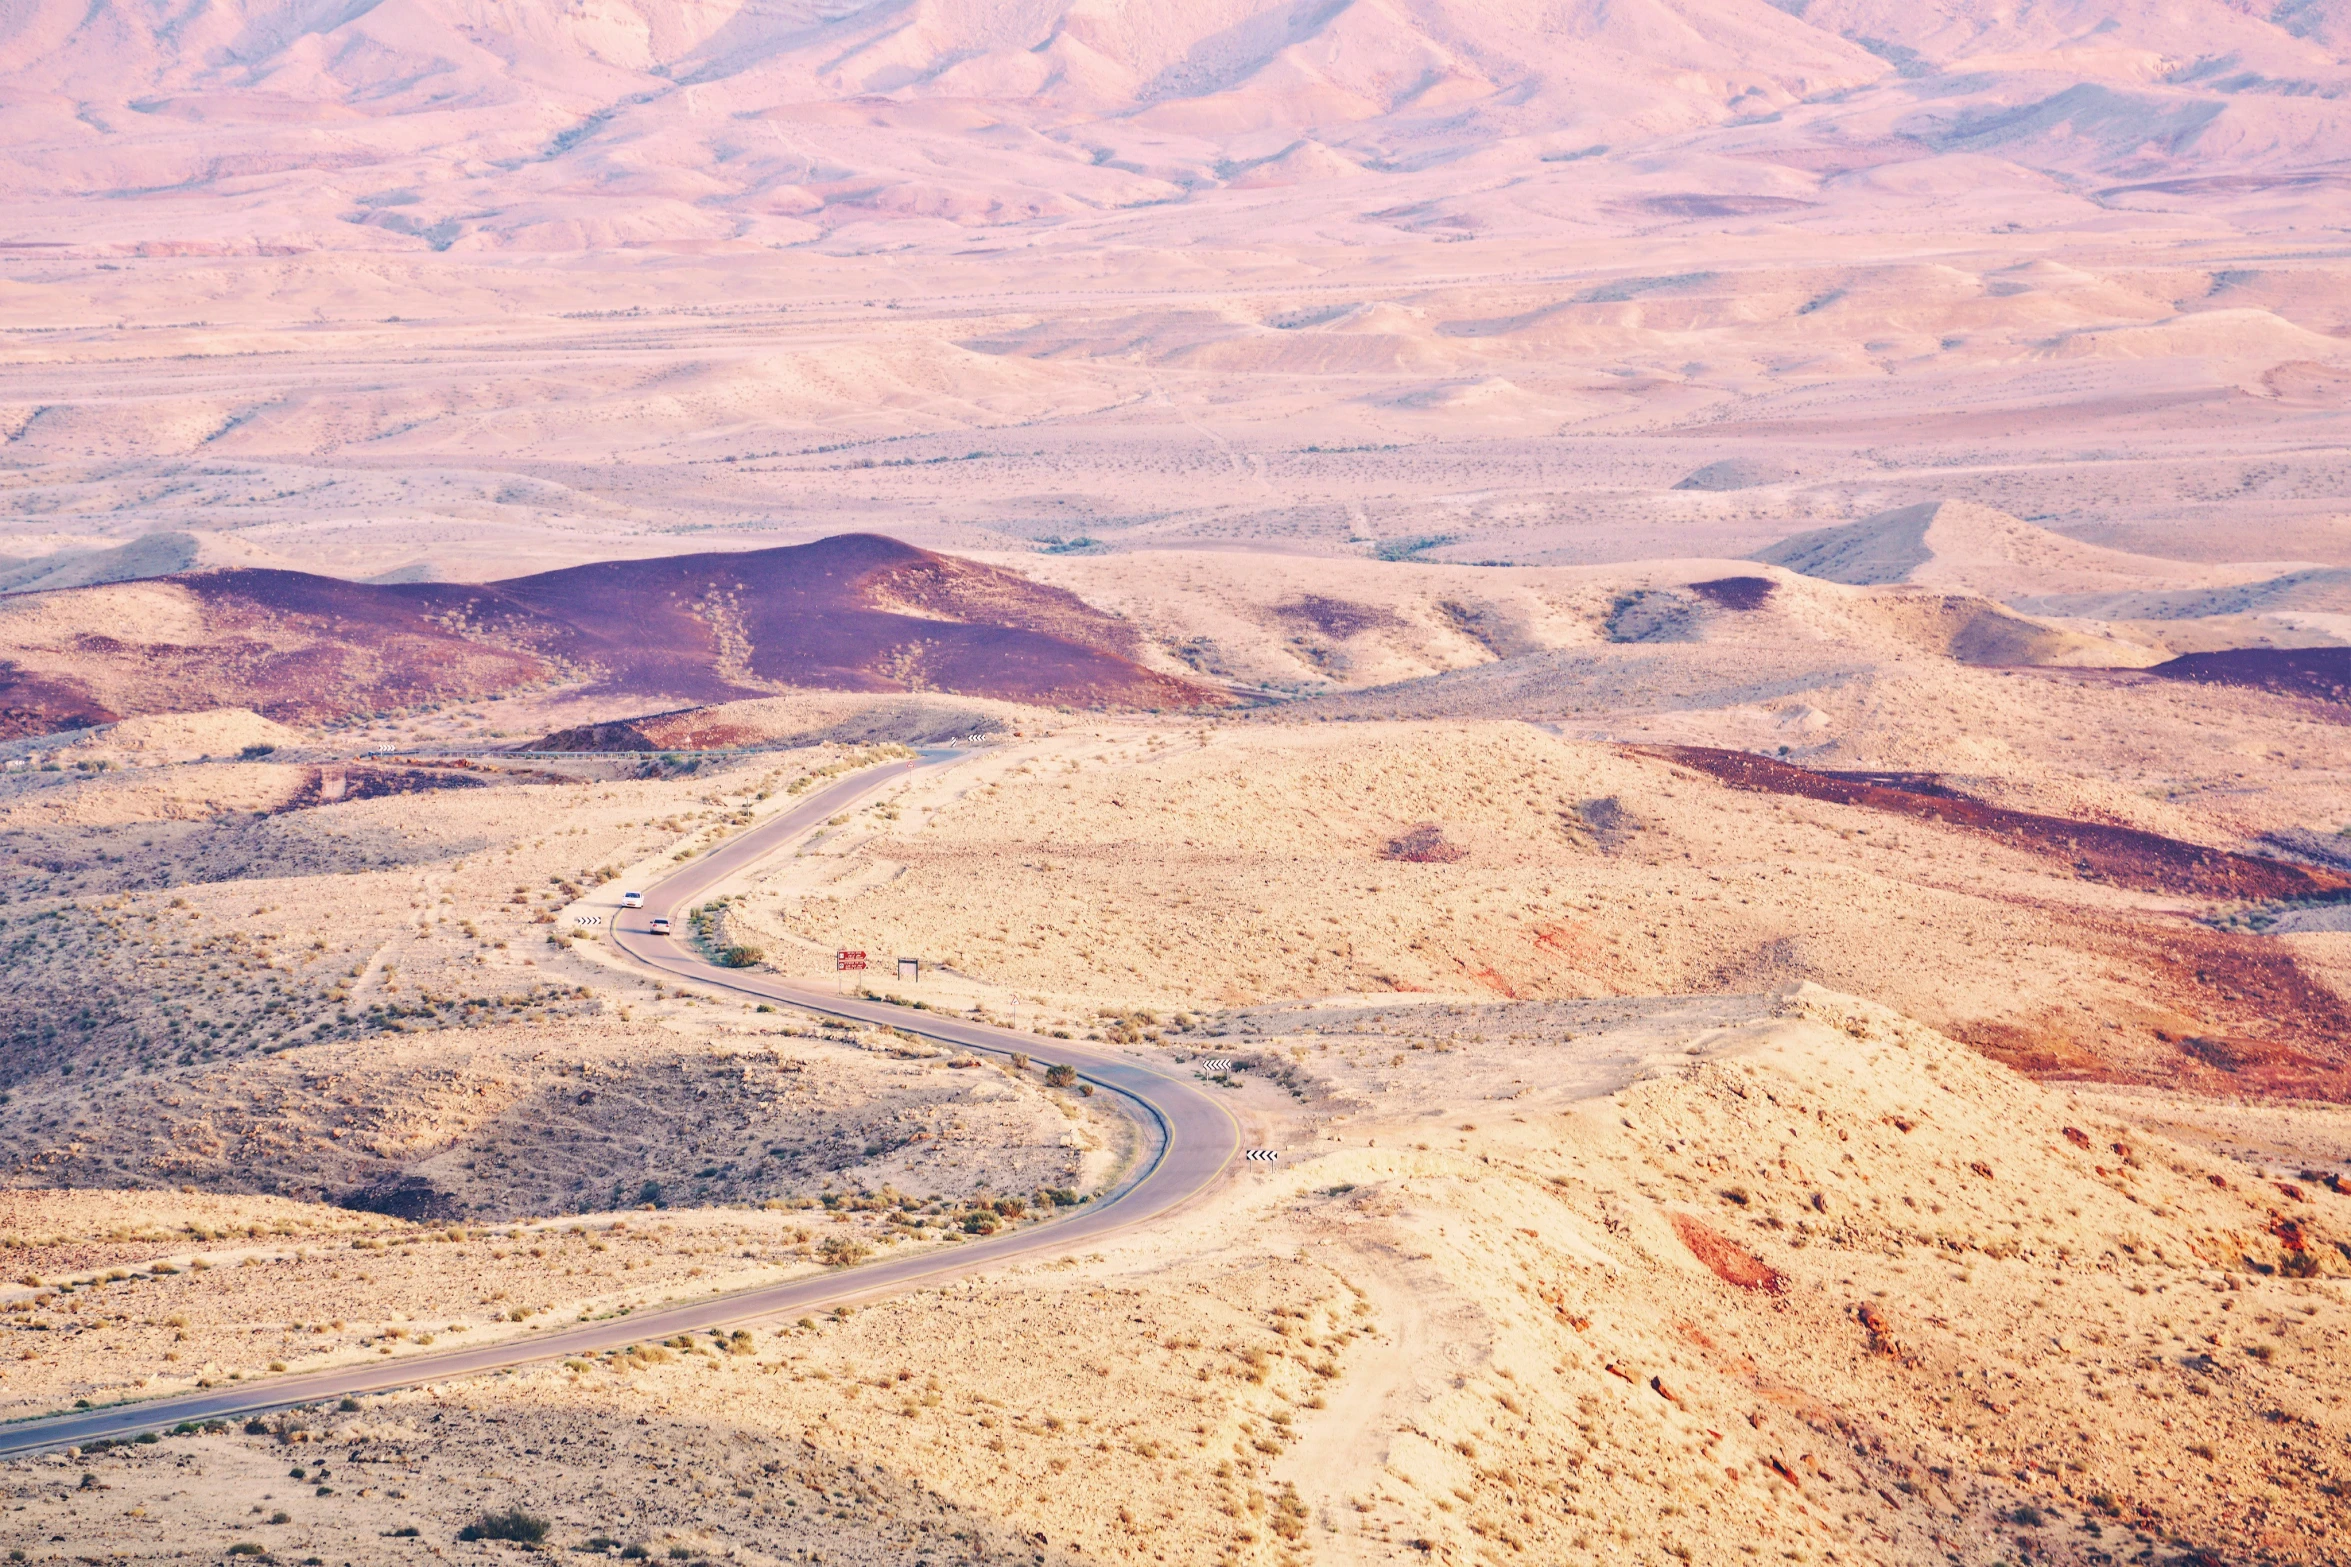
{"x":1693,"y":658}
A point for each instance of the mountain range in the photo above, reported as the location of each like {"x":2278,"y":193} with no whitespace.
{"x":437,"y":124}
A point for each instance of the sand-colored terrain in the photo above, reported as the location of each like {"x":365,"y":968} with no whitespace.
{"x":1633,"y":965}
{"x":1119,"y":872}
{"x":1356,"y":393}
{"x":1696,"y":651}
{"x":1796,"y":1274}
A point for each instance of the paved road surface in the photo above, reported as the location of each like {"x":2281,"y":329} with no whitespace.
{"x":1188,"y":1139}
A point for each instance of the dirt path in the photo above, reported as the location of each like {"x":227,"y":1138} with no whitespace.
{"x":1425,"y":1341}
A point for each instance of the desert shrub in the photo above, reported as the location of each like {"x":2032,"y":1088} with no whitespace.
{"x":979,"y":1222}
{"x":740,"y":957}
{"x":839,"y":1251}
{"x":1060,"y":1076}
{"x":349,"y":1406}
{"x":634,"y":1553}
{"x":512,"y":1524}
{"x":246,"y":1548}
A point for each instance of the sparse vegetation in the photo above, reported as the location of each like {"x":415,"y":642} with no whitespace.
{"x":842,"y":1251}
{"x":511,"y":1524}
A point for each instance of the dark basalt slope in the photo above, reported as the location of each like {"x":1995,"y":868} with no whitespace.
{"x":856,"y":612}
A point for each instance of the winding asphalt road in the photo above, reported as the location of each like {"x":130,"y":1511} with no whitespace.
{"x":1188,"y":1139}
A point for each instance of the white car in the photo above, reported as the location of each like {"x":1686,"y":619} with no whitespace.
{"x":632,"y":900}
{"x":660,"y":924}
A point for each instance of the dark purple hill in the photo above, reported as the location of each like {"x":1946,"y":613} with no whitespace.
{"x":857,"y":612}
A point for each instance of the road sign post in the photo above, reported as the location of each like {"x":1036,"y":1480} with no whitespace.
{"x":910,"y":971}
{"x":846,"y":961}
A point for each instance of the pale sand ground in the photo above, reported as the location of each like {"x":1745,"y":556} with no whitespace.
{"x":1231,"y":310}
{"x":1109,"y":870}
{"x":1403,"y":1334}
{"x":2168,"y":386}
{"x":1460,"y":1314}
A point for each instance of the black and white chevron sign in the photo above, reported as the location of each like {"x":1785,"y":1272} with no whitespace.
{"x":1215,"y":1066}
{"x":1268,"y":1155}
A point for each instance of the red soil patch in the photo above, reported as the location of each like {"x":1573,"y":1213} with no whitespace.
{"x":2244,"y":1018}
{"x":2124,"y":856}
{"x":1731,"y":1262}
{"x":2320,"y":673}
{"x":1493,"y":981}
{"x":33,"y":704}
{"x":857,"y":612}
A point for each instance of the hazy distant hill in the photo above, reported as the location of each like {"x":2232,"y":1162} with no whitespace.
{"x":434,"y":123}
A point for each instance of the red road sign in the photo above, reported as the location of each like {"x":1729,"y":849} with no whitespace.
{"x":845,"y":959}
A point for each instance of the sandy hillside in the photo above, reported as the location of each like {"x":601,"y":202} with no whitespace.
{"x":1696,"y":651}
{"x":1977,"y":549}
{"x":1544,"y":286}
{"x":1162,"y":870}
{"x":1746,"y":382}
{"x":1795,"y":1272}
{"x":1599,"y":1231}
{"x":1302,"y":627}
